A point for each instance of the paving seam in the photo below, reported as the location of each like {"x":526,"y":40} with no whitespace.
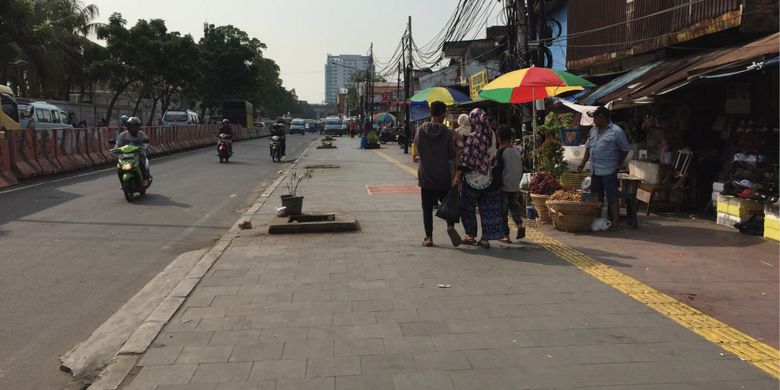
{"x":753,"y":351}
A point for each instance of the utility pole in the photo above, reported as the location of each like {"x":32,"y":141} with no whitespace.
{"x":522,"y":35}
{"x":407,"y":87}
{"x":371,"y":82}
{"x":398,"y":91}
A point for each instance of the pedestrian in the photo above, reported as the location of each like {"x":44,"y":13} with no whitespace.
{"x":480,"y":183}
{"x":606,"y":148}
{"x":510,"y":163}
{"x":463,"y":130}
{"x":436,"y":147}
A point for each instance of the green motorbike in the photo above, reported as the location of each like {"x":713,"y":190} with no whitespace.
{"x":130,"y":171}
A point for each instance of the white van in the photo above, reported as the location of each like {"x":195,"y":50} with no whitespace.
{"x":180,"y":118}
{"x":43,"y":116}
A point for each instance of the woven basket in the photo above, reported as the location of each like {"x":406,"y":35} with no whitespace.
{"x":573,"y":180}
{"x":569,"y":216}
{"x":540,"y":204}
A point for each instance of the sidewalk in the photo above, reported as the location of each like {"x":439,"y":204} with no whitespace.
{"x":364,"y":310}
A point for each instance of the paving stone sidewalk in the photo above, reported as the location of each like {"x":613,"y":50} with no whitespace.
{"x":364,"y":310}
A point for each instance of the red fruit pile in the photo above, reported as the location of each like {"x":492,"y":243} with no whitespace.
{"x":544,"y":183}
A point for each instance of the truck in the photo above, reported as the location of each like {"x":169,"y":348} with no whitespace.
{"x":238,"y":112}
{"x":9,"y":115}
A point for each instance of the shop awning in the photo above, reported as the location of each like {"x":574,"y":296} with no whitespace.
{"x":620,"y":82}
{"x":661,"y":77}
{"x":741,"y":56}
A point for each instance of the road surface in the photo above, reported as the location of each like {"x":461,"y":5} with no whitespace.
{"x":72,"y":250}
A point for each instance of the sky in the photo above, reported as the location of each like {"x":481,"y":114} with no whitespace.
{"x":299,"y":33}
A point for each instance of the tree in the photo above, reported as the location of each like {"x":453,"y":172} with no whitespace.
{"x":117,"y":68}
{"x":45,"y":41}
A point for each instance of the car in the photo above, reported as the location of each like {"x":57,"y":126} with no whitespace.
{"x":333,"y":126}
{"x":42,"y":115}
{"x":298,"y":126}
{"x":180,"y":118}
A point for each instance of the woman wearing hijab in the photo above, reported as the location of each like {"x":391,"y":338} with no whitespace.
{"x":480,"y":182}
{"x":463,"y":130}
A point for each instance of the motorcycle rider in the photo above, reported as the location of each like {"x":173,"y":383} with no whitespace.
{"x":227,"y":129}
{"x":134,"y":136}
{"x":278,"y":130}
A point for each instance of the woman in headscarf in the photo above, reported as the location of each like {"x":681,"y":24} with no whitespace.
{"x":480,"y":182}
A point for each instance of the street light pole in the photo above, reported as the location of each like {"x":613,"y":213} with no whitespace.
{"x":407,"y":88}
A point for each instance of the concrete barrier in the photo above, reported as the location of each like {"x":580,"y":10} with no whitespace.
{"x":7,"y":178}
{"x":22,"y":144}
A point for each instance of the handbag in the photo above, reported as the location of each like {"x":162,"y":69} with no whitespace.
{"x":449,"y":210}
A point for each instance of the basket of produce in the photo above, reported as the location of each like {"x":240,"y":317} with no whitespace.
{"x":542,"y":185}
{"x":569,"y":213}
{"x":573,"y":180}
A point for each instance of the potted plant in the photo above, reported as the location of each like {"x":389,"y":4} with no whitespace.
{"x":543,"y":184}
{"x":293,"y":203}
{"x":373,"y":140}
{"x":551,"y":157}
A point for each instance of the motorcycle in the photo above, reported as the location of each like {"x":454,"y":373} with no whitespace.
{"x":387,"y":135}
{"x":223,"y":147}
{"x":130,"y":171}
{"x":276,"y":148}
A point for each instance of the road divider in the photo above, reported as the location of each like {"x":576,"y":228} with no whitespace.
{"x":25,"y":153}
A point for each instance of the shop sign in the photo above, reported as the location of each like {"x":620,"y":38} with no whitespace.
{"x":476,"y":82}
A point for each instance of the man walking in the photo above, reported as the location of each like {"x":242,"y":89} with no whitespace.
{"x":436,"y":147}
{"x":607,"y":148}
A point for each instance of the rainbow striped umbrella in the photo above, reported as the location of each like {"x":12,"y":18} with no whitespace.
{"x":529,"y":84}
{"x":446,"y":95}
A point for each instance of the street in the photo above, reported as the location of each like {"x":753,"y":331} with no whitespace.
{"x":73,"y":250}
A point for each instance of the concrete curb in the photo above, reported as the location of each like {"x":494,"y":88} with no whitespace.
{"x":114,"y":374}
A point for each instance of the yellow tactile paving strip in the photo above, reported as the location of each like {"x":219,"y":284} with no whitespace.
{"x":747,"y":348}
{"x":732,"y":340}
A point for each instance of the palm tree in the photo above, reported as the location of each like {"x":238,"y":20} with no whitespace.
{"x":52,"y":40}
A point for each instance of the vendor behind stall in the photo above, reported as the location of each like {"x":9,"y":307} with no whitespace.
{"x":607,"y":148}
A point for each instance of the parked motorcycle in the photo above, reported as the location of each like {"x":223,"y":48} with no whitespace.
{"x":130,"y":171}
{"x":276,"y":148}
{"x":387,"y":135}
{"x":223,"y":147}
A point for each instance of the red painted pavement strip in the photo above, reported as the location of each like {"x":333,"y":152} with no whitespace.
{"x":728,"y":275}
{"x":393,"y":189}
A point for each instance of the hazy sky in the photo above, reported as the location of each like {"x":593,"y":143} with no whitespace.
{"x":299,"y":33}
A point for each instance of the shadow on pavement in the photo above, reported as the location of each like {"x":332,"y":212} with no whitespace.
{"x":152,"y":199}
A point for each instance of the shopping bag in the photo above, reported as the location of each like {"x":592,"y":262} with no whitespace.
{"x":449,"y":210}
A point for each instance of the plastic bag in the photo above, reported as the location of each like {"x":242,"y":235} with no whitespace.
{"x":600,"y":224}
{"x":450,"y":207}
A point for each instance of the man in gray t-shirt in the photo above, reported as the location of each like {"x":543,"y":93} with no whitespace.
{"x":510,"y":162}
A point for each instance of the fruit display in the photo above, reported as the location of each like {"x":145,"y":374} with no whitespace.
{"x":566,"y":195}
{"x":544,"y":183}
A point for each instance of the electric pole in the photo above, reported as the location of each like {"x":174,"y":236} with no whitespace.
{"x":371,"y":82}
{"x":398,"y":92}
{"x":522,"y":35}
{"x":407,"y":87}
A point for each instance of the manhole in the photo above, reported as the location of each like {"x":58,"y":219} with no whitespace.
{"x":313,"y":223}
{"x":322,"y":166}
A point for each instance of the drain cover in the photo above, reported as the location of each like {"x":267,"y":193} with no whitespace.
{"x":313,"y":223}
{"x":393,"y":189}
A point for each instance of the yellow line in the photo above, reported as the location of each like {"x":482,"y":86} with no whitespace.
{"x":397,"y":163}
{"x":759,"y":354}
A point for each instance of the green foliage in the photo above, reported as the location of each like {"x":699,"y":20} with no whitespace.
{"x":372,"y":137}
{"x":553,"y":122}
{"x":551,"y":157}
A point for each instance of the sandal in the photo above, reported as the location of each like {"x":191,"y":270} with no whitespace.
{"x":469,"y":241}
{"x":505,"y":240}
{"x":428,"y":241}
{"x":520,"y":232}
{"x":484,"y":244}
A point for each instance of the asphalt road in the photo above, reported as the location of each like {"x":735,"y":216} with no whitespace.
{"x":72,"y":250}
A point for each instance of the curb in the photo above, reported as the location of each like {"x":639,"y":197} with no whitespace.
{"x":116,"y":371}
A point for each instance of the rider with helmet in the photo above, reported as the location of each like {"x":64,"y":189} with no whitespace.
{"x":134,"y":136}
{"x":227,"y":129}
{"x":278,"y":130}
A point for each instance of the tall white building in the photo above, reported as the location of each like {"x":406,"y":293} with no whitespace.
{"x":339,"y":70}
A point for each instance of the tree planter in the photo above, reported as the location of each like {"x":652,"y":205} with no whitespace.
{"x":540,"y":204}
{"x":293,"y":204}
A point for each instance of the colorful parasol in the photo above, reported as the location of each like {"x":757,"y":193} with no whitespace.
{"x":530,"y":84}
{"x":446,"y":95}
{"x":384,"y":117}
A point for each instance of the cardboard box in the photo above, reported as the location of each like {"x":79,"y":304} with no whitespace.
{"x":737,"y":207}
{"x":651,"y":173}
{"x":717,"y":186}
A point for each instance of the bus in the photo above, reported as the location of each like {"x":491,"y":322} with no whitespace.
{"x":9,"y":116}
{"x":238,"y":112}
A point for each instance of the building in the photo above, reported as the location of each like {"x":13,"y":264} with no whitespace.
{"x":338,"y":72}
